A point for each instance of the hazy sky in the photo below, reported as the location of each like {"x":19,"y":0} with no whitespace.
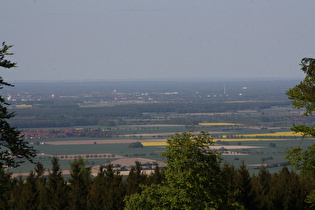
{"x":140,"y":39}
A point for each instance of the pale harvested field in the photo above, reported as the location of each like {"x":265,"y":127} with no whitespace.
{"x":126,"y":161}
{"x":259,"y":127}
{"x":151,"y":134}
{"x":112,"y":141}
{"x":209,"y":114}
{"x":241,"y":102}
{"x":169,"y":134}
{"x":151,"y":125}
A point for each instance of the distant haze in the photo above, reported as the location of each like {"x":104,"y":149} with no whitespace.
{"x":139,"y":40}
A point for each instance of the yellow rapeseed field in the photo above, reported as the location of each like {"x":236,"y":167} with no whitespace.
{"x":279,"y":134}
{"x":154,"y":144}
{"x":249,"y":139}
{"x":23,"y":106}
{"x":287,"y":133}
{"x":148,"y":144}
{"x":219,"y":124}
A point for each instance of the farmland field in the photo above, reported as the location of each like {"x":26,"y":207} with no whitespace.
{"x":99,"y":121}
{"x":254,"y":148}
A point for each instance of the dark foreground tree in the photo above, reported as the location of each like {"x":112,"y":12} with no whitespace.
{"x":5,"y":188}
{"x":303,"y":96}
{"x":13,"y":148}
{"x":79,"y":184}
{"x":57,"y":190}
{"x":193,"y":178}
{"x":245,"y":188}
{"x":107,"y":190}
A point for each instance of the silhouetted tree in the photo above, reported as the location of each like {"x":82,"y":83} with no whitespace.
{"x":57,"y":190}
{"x":116,"y":189}
{"x":13,"y":148}
{"x":244,"y":187}
{"x":5,"y":188}
{"x":134,"y":179}
{"x":262,"y":184}
{"x":79,"y":184}
{"x":97,"y":193}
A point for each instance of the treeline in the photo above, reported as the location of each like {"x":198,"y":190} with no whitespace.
{"x":73,"y":115}
{"x":108,"y":190}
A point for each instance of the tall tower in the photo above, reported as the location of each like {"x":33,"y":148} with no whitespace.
{"x":224,"y":89}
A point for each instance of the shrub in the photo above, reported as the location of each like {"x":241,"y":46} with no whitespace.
{"x":135,"y":145}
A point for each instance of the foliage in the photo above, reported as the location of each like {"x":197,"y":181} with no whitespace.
{"x":107,"y":190}
{"x":245,"y":193}
{"x":57,"y":190}
{"x":12,"y":146}
{"x":135,"y":145}
{"x":134,"y":179}
{"x":5,"y":188}
{"x":79,"y":183}
{"x":192,"y":178}
{"x":286,"y":190}
{"x":303,"y":96}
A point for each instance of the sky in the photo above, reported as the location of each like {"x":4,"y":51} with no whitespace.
{"x":150,"y":39}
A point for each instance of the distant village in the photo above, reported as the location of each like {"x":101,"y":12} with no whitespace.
{"x":65,"y":132}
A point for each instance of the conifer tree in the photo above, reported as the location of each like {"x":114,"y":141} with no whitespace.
{"x":30,"y":193}
{"x":134,"y":179}
{"x":229,"y":175}
{"x":157,"y":177}
{"x":5,"y":188}
{"x":97,"y":193}
{"x":40,"y":180}
{"x":79,"y":184}
{"x":282,"y":189}
{"x":244,"y":187}
{"x":17,"y":194}
{"x":262,"y":188}
{"x":115,"y":188}
{"x":57,"y":190}
{"x":13,"y":148}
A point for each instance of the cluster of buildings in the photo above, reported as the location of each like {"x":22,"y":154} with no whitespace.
{"x":65,"y":132}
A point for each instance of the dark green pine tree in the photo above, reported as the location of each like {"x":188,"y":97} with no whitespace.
{"x":17,"y":193}
{"x":40,"y":180}
{"x":300,"y":188}
{"x":5,"y":188}
{"x":30,"y":194}
{"x":79,"y":184}
{"x":97,"y":193}
{"x":262,"y":185}
{"x":245,"y":193}
{"x":56,"y":188}
{"x":157,"y":177}
{"x":13,"y":149}
{"x":134,"y":179}
{"x":115,"y":188}
{"x":229,"y":175}
{"x":280,"y":184}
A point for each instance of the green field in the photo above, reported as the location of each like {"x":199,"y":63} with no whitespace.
{"x":253,"y":157}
